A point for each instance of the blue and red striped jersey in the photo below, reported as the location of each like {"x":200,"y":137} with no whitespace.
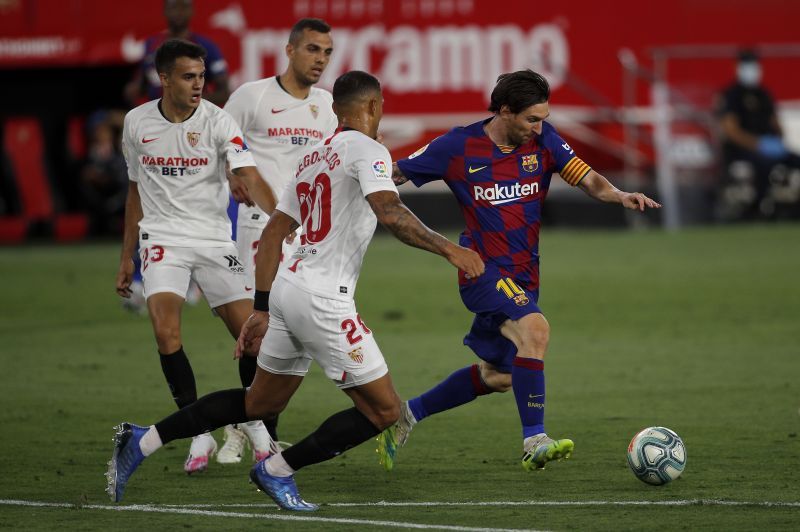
{"x":500,"y":190}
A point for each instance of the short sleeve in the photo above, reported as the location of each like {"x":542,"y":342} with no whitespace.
{"x":289,"y":203}
{"x":373,"y":169}
{"x":129,"y":150}
{"x":428,"y":163}
{"x":232,"y":143}
{"x":241,"y":106}
{"x":569,"y":166}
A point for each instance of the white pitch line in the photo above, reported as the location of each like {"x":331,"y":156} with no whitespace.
{"x":147,"y":508}
{"x":684,"y":502}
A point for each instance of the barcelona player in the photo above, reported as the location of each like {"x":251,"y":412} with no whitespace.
{"x":500,"y":170}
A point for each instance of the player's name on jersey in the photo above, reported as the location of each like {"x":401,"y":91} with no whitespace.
{"x":327,"y":155}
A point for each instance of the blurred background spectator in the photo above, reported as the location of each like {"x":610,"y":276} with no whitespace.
{"x":636,"y":99}
{"x":104,"y":174}
{"x":755,"y":160}
{"x":146,"y":85}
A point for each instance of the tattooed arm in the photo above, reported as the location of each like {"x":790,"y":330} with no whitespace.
{"x":398,"y":219}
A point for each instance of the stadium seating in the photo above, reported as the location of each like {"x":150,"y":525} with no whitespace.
{"x":23,"y":143}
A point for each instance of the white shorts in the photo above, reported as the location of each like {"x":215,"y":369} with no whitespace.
{"x":247,"y":239}
{"x":216,"y":270}
{"x":303,"y":326}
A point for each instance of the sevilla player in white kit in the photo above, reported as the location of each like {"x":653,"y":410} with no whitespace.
{"x":177,"y":149}
{"x":280,"y":116}
{"x":341,"y":188}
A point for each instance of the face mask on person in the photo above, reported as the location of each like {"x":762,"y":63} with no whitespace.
{"x":749,"y":74}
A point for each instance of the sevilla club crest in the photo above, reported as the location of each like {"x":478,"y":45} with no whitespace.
{"x":530,"y":163}
{"x":314,"y":110}
{"x":356,"y":355}
{"x":193,"y":138}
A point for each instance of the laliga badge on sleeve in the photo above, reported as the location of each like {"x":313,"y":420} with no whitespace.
{"x":381,"y":169}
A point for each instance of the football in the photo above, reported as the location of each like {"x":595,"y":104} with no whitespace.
{"x":656,"y":455}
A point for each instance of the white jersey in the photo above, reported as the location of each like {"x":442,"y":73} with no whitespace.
{"x":278,"y":127}
{"x":328,"y":200}
{"x":180,"y":172}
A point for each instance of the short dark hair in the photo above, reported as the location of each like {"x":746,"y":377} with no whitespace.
{"x":313,"y":24}
{"x":519,"y":90}
{"x":748,"y":56}
{"x":354,"y":85}
{"x":171,"y":50}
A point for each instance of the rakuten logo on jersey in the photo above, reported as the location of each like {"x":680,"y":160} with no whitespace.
{"x":499,"y":194}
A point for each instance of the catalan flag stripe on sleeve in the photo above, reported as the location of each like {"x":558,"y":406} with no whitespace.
{"x":574,"y":171}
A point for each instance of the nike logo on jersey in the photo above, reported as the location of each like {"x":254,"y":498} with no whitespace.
{"x":473,"y":170}
{"x":146,"y":140}
{"x":248,"y":288}
{"x":276,"y":111}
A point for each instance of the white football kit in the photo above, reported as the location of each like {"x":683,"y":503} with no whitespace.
{"x":278,"y":127}
{"x":312,"y":312}
{"x":179,"y":169}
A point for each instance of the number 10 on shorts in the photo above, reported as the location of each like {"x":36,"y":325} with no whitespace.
{"x":508,"y":287}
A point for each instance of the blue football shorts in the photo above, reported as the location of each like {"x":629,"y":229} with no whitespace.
{"x":494,"y":298}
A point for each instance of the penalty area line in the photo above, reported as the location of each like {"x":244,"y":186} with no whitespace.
{"x":174,"y":509}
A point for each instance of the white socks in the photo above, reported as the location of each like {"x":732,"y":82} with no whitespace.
{"x":277,"y":466}
{"x":150,"y":442}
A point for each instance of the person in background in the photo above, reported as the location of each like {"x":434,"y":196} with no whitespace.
{"x":146,"y":86}
{"x":750,"y":131}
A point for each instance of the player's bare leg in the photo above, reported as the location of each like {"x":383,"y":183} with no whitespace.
{"x":376,"y":407}
{"x":165,"y":315}
{"x":256,"y":433}
{"x":489,"y":380}
{"x":531,"y":334}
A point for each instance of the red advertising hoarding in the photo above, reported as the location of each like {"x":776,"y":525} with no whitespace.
{"x":431,"y":55}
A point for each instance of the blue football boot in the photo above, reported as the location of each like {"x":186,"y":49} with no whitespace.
{"x":282,"y":490}
{"x":126,"y":458}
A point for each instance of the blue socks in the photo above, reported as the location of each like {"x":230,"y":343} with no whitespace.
{"x":461,"y":387}
{"x":527,"y":381}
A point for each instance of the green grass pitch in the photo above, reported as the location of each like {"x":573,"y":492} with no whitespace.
{"x":698,"y":331}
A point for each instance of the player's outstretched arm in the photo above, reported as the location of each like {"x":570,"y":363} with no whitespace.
{"x":267,"y":259}
{"x":396,"y":217}
{"x":130,"y":237}
{"x":598,"y":187}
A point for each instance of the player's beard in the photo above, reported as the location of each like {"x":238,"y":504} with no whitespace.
{"x":304,"y":79}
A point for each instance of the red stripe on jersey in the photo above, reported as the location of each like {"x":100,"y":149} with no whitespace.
{"x":506,"y":169}
{"x":495,"y":243}
{"x":455,"y":170}
{"x":513,"y":215}
{"x":478,"y":147}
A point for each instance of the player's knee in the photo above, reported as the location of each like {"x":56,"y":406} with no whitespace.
{"x":535,"y":339}
{"x":168,"y":338}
